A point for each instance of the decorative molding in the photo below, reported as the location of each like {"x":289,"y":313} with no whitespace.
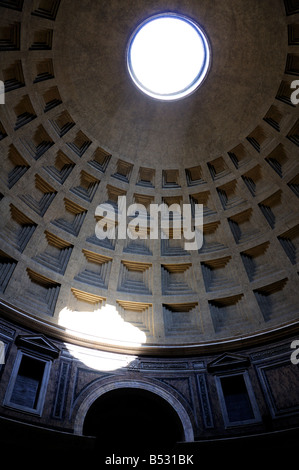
{"x":38,"y":343}
{"x":204,"y":400}
{"x":59,"y":406}
{"x":228,"y":361}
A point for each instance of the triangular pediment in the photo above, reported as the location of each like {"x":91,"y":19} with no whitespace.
{"x":228,"y":361}
{"x":38,"y":343}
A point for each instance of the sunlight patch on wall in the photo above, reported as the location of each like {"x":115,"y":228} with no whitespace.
{"x":103,"y":324}
{"x":100,"y":360}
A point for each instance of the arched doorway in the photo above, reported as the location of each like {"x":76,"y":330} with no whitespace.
{"x":133,"y":419}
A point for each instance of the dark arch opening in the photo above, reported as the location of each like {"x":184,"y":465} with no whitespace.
{"x":130,"y":419}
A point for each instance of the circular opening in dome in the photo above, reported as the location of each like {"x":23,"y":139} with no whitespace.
{"x":168,"y":56}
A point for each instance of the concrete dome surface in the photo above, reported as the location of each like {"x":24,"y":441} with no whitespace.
{"x":76,"y":133}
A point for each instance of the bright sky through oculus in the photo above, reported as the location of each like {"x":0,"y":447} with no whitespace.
{"x":168,"y":57}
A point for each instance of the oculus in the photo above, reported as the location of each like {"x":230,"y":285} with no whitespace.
{"x":168,"y":56}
